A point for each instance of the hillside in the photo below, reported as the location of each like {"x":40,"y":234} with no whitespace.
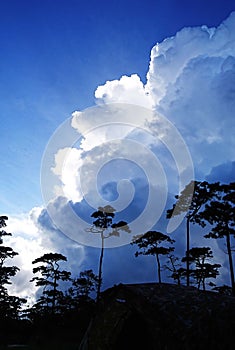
{"x":161,"y":316}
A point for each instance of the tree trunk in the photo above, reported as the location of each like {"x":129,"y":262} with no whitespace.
{"x":158,"y":268}
{"x":203,"y":284}
{"x":230,"y":261}
{"x":203,"y":274}
{"x":54,"y":293}
{"x":100,"y":269}
{"x":187,"y":249}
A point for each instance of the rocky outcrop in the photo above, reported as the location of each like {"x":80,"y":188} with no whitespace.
{"x":161,"y":316}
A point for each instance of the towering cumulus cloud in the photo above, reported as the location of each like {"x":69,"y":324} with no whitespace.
{"x":190,"y":83}
{"x":191,"y":79}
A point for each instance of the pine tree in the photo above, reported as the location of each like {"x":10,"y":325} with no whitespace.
{"x":150,"y":244}
{"x":220,"y":214}
{"x":200,"y":268}
{"x":190,"y":205}
{"x":103,"y":225}
{"x":9,"y":305}
{"x":50,"y":277}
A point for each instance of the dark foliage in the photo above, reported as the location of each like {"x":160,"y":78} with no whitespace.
{"x":9,"y":305}
{"x":200,"y":268}
{"x":150,"y":244}
{"x":220,"y":214}
{"x":105,"y":226}
{"x":50,"y":277}
{"x":190,"y":201}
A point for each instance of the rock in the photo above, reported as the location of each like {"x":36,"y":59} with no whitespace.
{"x":161,"y":316}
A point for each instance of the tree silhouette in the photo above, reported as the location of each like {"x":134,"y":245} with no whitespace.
{"x":103,"y":225}
{"x":186,"y":203}
{"x":150,"y":244}
{"x":50,"y":276}
{"x":9,"y":305}
{"x":79,"y":294}
{"x":203,"y":270}
{"x":84,"y":285}
{"x":173,"y":265}
{"x":224,"y":289}
{"x":220,"y":213}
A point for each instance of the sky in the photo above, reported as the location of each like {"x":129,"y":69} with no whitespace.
{"x":66,"y":64}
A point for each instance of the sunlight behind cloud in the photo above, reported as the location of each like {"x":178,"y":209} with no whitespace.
{"x":190,"y":83}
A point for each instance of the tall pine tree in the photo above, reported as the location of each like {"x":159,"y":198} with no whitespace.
{"x":9,"y":305}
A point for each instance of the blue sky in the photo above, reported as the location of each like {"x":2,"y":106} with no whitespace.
{"x":57,"y":57}
{"x":54,"y":54}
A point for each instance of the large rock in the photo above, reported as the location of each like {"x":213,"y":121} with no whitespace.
{"x":161,"y":316}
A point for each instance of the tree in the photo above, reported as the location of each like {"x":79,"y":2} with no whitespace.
{"x":9,"y":305}
{"x":220,"y":214}
{"x":78,"y":295}
{"x":84,"y":285}
{"x":150,"y":244}
{"x":177,"y":272}
{"x":103,"y":225}
{"x":191,"y":205}
{"x":202,"y":269}
{"x":50,"y":276}
{"x":224,"y":289}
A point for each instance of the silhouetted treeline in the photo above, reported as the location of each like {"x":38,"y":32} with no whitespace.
{"x":63,"y":313}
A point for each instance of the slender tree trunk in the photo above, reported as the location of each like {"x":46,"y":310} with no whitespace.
{"x":187,"y":249}
{"x":54,"y":293}
{"x":203,"y":284}
{"x":175,"y":270}
{"x":100,"y":268}
{"x":203,"y":274}
{"x":198,"y":284}
{"x":158,"y":268}
{"x":230,"y":261}
{"x":177,"y":277}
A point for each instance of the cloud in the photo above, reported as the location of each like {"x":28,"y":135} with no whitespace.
{"x":204,"y":111}
{"x":191,"y":79}
{"x":224,"y":173}
{"x":67,"y":164}
{"x":173,"y":55}
{"x":102,"y":155}
{"x":126,"y":90}
{"x":120,"y":264}
{"x":31,"y":239}
{"x":190,"y":82}
{"x":26,"y":241}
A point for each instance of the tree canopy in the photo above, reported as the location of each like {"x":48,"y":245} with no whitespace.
{"x":150,"y":243}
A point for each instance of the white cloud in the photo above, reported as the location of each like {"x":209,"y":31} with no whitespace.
{"x":26,"y":241}
{"x":67,"y":163}
{"x":169,"y":58}
{"x":100,"y":128}
{"x":31,"y":240}
{"x":191,"y":81}
{"x":126,"y":90}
